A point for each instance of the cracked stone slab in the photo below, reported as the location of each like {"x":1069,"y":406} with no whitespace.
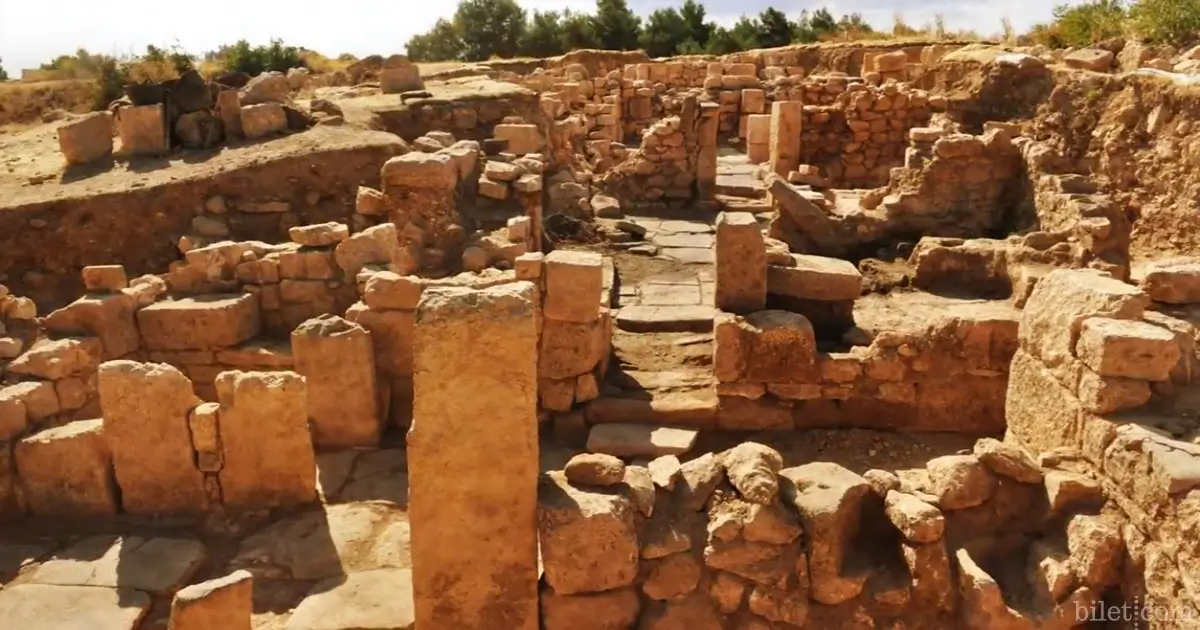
{"x":47,"y":607}
{"x":156,"y":565}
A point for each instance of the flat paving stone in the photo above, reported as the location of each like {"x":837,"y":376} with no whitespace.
{"x":640,"y":440}
{"x":690,"y":255}
{"x":677,"y":226}
{"x":669,"y":294}
{"x":666,"y":318}
{"x":685,"y":240}
{"x":371,"y":600}
{"x":46,"y":607}
{"x":14,"y":556}
{"x":156,"y":565}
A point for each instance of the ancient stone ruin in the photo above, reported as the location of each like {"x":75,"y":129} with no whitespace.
{"x":830,"y":336}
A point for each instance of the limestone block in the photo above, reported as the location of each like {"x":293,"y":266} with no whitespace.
{"x":758,"y":130}
{"x":569,"y":518}
{"x":391,"y":335}
{"x":87,"y":139}
{"x":400,"y":79}
{"x":493,"y":189}
{"x":1172,"y":282}
{"x":640,"y":440}
{"x":754,"y":101}
{"x":960,"y":481}
{"x":337,"y":359}
{"x":229,"y":108}
{"x":780,"y":347}
{"x":37,"y":397}
{"x":258,"y":409}
{"x":319,"y":235}
{"x":105,"y":279}
{"x":1060,"y":303}
{"x":262,"y":120}
{"x":918,"y":521}
{"x":570,"y":348}
{"x":891,"y":62}
{"x":142,"y":130}
{"x":204,"y":426}
{"x":13,"y":418}
{"x":829,"y":499}
{"x":1094,"y":59}
{"x":475,"y":537}
{"x":815,"y":278}
{"x":574,"y":279}
{"x":200,"y":322}
{"x":1129,"y":349}
{"x":380,"y":599}
{"x":741,"y":264}
{"x":391,"y":291}
{"x":146,"y":409}
{"x":46,"y":606}
{"x":54,"y":360}
{"x":418,"y":171}
{"x":65,"y":471}
{"x":522,"y":139}
{"x":225,"y":603}
{"x":1040,"y":412}
{"x":932,"y":577}
{"x":375,"y":245}
{"x":786,"y":125}
{"x":603,"y":611}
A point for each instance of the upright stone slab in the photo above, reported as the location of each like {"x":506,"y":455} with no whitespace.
{"x":337,"y":359}
{"x":787,"y":121}
{"x":473,"y":459}
{"x":146,"y":407}
{"x":143,"y":130}
{"x":269,"y":459}
{"x":741,"y":264}
{"x":65,"y":471}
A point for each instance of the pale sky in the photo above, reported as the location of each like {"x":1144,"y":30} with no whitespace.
{"x":32,"y":32}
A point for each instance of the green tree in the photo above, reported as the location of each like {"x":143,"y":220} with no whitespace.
{"x":664,"y":32}
{"x":854,"y":26}
{"x":1172,"y":21}
{"x":254,"y":60}
{"x":175,"y":55}
{"x":578,"y":31}
{"x":774,"y":29}
{"x":722,"y":42}
{"x":489,"y":28}
{"x":3,"y":72}
{"x":543,"y":35}
{"x":441,"y":43}
{"x":697,"y":29}
{"x":746,"y":33}
{"x":1088,"y":23}
{"x":615,"y":26}
{"x":823,"y":23}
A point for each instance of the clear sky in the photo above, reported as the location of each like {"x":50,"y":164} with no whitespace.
{"x":32,"y":32}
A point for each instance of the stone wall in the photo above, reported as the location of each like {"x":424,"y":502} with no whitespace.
{"x":1098,"y":387}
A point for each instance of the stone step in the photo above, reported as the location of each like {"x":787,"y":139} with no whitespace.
{"x":744,"y":186}
{"x":645,"y":319}
{"x":640,"y":440}
{"x":694,"y":409}
{"x":744,"y":204}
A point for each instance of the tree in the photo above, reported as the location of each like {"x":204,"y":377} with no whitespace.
{"x":175,"y":55}
{"x":774,"y":29}
{"x":746,"y":33}
{"x":698,"y":31}
{"x":1088,"y":23}
{"x":489,"y":28}
{"x":3,"y":72}
{"x":543,"y":36}
{"x":578,"y":31}
{"x":664,"y":32}
{"x":1171,"y":21}
{"x":823,"y":23}
{"x":441,"y":43}
{"x":722,"y":42}
{"x":615,"y":26}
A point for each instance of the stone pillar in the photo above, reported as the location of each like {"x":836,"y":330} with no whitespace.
{"x":146,"y":408}
{"x":473,"y":460}
{"x":143,"y":130}
{"x":269,"y":459}
{"x":229,"y":108}
{"x":787,"y":120}
{"x":741,"y":264}
{"x":758,"y":138}
{"x":706,"y":165}
{"x":337,"y":360}
{"x":225,"y":603}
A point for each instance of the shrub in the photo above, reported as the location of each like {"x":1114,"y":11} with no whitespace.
{"x":1170,"y":21}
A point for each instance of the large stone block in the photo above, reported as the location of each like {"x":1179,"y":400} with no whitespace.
{"x":781,"y":347}
{"x":522,"y":138}
{"x":59,"y":359}
{"x":400,"y":79}
{"x":588,"y":540}
{"x":1041,"y":413}
{"x":337,"y":359}
{"x":142,"y":130}
{"x":475,"y":536}
{"x":107,"y":317}
{"x":262,"y":120}
{"x":741,"y":264}
{"x":570,"y":349}
{"x":87,"y":139}
{"x":200,"y":322}
{"x":419,"y":170}
{"x":1113,"y":347}
{"x":816,"y":278}
{"x":391,"y":335}
{"x":1172,"y":282}
{"x":146,"y":409}
{"x":229,"y":108}
{"x":574,"y":281}
{"x":787,"y":120}
{"x":66,"y":471}
{"x":37,"y":399}
{"x":269,"y":459}
{"x":830,"y":500}
{"x":224,"y":603}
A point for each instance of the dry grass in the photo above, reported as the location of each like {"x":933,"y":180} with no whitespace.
{"x":24,"y":102}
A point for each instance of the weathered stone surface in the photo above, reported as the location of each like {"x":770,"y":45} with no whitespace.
{"x":673,"y":577}
{"x":200,"y":322}
{"x":612,"y":610}
{"x":146,"y":409}
{"x":67,"y":607}
{"x":87,"y":139}
{"x":741,"y":264}
{"x":107,"y":317}
{"x":259,"y":408}
{"x":1172,"y":282}
{"x":595,"y":469}
{"x":1094,"y":59}
{"x":569,"y":349}
{"x":490,"y":562}
{"x":65,"y":471}
{"x":1097,"y":549}
{"x":693,"y":613}
{"x":918,"y":521}
{"x":224,"y":603}
{"x":262,"y":120}
{"x":815,"y":278}
{"x":1068,"y":489}
{"x":37,"y":401}
{"x":1128,"y":349}
{"x":337,"y":360}
{"x":641,"y":489}
{"x":780,"y":347}
{"x":932,"y":578}
{"x":1062,"y":300}
{"x":573,"y":283}
{"x":640,"y":440}
{"x":664,"y":471}
{"x":960,"y":481}
{"x":726,"y":591}
{"x":588,"y":540}
{"x":1008,"y":460}
{"x":157,"y":566}
{"x":829,"y":499}
{"x":54,"y":360}
{"x":753,"y":469}
{"x":370,"y":600}
{"x":319,"y":235}
{"x":697,"y":480}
